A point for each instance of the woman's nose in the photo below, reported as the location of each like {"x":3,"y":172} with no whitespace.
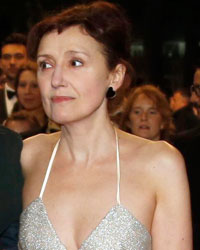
{"x":144,"y":116}
{"x":28,"y":89}
{"x":12,"y":61}
{"x":57,"y":78}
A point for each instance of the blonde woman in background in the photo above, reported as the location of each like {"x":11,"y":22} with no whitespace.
{"x":147,"y":114}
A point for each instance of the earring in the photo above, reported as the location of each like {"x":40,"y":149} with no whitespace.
{"x":110,"y":93}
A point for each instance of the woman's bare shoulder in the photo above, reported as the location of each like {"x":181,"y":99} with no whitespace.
{"x":132,"y":143}
{"x":166,"y":156}
{"x":156,"y":154}
{"x":35,"y":146}
{"x":38,"y":142}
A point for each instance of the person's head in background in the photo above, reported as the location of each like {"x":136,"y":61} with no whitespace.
{"x":13,"y":56}
{"x":179,"y":99}
{"x":27,"y":89}
{"x":23,"y":123}
{"x":147,"y":113}
{"x":195,"y":91}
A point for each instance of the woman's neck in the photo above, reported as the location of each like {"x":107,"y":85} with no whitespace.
{"x":84,"y":141}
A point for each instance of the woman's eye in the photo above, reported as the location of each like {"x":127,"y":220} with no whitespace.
{"x":45,"y":65}
{"x":34,"y":85}
{"x":153,"y":112}
{"x":136,"y":111}
{"x":77,"y":63}
{"x":22,"y":84}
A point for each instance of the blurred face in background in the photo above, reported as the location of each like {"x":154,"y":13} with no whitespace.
{"x":13,"y":57}
{"x":145,"y":119}
{"x":28,"y":91}
{"x":196,"y":83}
{"x":195,"y":93}
{"x":178,"y":101}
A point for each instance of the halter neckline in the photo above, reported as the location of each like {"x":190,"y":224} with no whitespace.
{"x":53,"y":157}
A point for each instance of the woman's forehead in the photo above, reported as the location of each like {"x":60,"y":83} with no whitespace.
{"x":72,"y":38}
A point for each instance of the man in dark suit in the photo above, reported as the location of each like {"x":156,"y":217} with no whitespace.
{"x":13,"y":56}
{"x":11,"y":182}
{"x":188,"y":142}
{"x":184,"y":117}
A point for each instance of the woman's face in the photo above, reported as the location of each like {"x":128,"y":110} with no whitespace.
{"x":145,"y":119}
{"x":72,"y":74}
{"x":28,"y":91}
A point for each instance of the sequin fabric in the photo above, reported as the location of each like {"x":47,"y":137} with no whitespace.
{"x":119,"y":230}
{"x":36,"y":231}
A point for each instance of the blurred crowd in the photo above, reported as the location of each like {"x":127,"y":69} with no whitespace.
{"x":145,"y":111}
{"x":21,"y":107}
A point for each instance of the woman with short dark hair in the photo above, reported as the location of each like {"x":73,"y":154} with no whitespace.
{"x":92,"y":186}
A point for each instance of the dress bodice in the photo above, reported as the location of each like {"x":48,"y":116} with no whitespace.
{"x":118,"y":230}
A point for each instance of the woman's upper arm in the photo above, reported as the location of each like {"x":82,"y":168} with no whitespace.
{"x":29,"y":161}
{"x":26,"y":155}
{"x":31,"y":148}
{"x":171,"y":226}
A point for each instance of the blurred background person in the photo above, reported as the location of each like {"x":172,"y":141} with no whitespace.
{"x":23,"y":123}
{"x":13,"y":57}
{"x":29,"y":98}
{"x":184,"y":115}
{"x":28,"y":93}
{"x":2,"y":79}
{"x":195,"y":91}
{"x":188,"y":142}
{"x":179,"y":99}
{"x":147,"y":114}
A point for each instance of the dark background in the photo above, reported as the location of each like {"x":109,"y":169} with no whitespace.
{"x":166,"y":34}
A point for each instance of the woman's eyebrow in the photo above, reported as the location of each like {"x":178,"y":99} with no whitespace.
{"x":77,"y":52}
{"x":44,"y":55}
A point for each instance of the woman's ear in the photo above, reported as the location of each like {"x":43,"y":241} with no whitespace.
{"x":117,"y":76}
{"x":162,"y":126}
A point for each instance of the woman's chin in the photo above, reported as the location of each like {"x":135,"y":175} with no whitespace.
{"x":62,"y":120}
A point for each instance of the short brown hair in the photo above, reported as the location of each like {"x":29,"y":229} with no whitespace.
{"x":104,"y":21}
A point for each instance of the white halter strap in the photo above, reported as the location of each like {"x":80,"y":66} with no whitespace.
{"x":52,"y":159}
{"x":118,"y":167}
{"x":49,"y":169}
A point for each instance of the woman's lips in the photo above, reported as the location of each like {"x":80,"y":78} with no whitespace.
{"x":59,"y":99}
{"x":29,"y":99}
{"x":145,"y":127}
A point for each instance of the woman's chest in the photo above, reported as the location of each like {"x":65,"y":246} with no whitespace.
{"x":77,"y":201}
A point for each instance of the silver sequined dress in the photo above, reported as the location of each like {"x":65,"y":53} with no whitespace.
{"x":119,"y":229}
